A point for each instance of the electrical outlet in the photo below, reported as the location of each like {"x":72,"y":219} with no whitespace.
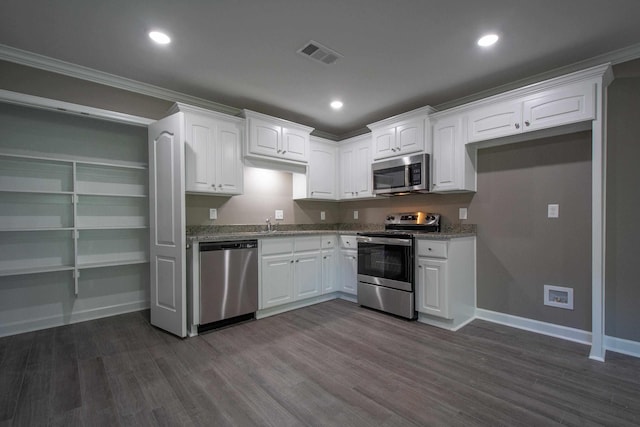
{"x":355,"y":214}
{"x":553,"y":211}
{"x":279,"y":214}
{"x":462,"y":213}
{"x":213,"y":213}
{"x":322,"y":216}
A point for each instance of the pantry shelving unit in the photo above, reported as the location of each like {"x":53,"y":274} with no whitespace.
{"x":59,"y":215}
{"x":74,"y":213}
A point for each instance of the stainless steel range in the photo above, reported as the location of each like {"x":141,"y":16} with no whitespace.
{"x":386,"y":279}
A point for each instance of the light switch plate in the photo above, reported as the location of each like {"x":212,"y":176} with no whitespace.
{"x":213,"y":213}
{"x":322,"y":216}
{"x":462,"y":213}
{"x":355,"y":214}
{"x":279,"y":214}
{"x":553,"y":211}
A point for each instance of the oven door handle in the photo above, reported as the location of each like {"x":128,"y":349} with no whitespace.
{"x":384,"y":241}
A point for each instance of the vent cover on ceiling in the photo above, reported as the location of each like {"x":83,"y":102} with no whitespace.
{"x":320,"y":53}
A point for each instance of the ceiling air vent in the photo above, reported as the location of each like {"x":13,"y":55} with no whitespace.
{"x":317,"y":52}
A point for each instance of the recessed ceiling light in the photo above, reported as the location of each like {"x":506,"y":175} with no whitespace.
{"x":159,"y":37}
{"x":336,"y":105}
{"x":488,"y":40}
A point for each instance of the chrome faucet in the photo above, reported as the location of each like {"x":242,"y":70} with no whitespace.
{"x":269,"y":229}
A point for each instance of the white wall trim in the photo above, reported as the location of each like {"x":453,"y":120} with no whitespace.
{"x":75,"y":317}
{"x":69,"y":108}
{"x":46,"y":63}
{"x":544,"y":328}
{"x":620,"y":345}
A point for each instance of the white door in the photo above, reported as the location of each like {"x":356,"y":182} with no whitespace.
{"x":432,"y":297}
{"x":167,"y":225}
{"x":446,"y":139}
{"x":410,"y":137}
{"x":495,"y":121}
{"x":294,"y":144}
{"x":199,"y":154}
{"x":308,"y":275}
{"x":362,"y":170}
{"x":328,"y":272}
{"x":228,"y":162}
{"x":322,"y":171}
{"x":347,"y":161}
{"x":277,"y":280}
{"x":384,"y":143}
{"x":349,"y":269}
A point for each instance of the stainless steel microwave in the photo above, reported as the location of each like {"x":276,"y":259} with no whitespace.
{"x":403,"y":175}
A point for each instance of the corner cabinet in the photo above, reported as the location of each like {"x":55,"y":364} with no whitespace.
{"x":401,"y":135}
{"x":453,"y":162}
{"x":213,"y":151}
{"x":355,"y":168}
{"x":273,"y":138}
{"x":445,"y":281}
{"x":320,"y":181}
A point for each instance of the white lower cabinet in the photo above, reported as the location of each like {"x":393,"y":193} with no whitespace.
{"x":445,"y":281}
{"x":349,"y":265}
{"x":329,"y":265}
{"x":291,"y":270}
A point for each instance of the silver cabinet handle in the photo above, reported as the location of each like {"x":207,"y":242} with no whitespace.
{"x":297,"y":260}
{"x":284,"y":151}
{"x":517,"y":125}
{"x":527,"y":123}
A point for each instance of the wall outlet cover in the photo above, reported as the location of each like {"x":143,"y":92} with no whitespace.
{"x":279,"y":214}
{"x":553,"y":211}
{"x":462,"y":213}
{"x":213,"y":213}
{"x":323,"y":216}
{"x":355,"y":214}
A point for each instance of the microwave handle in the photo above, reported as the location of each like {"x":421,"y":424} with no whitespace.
{"x":407,"y":176}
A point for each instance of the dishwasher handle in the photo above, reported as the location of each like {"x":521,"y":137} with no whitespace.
{"x":221,"y":246}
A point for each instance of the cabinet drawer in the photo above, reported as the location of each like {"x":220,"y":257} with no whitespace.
{"x":311,"y":243}
{"x":272,"y":246}
{"x":348,"y":242}
{"x":328,"y":242}
{"x":432,"y":248}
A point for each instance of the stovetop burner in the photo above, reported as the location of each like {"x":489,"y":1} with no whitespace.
{"x":404,"y":225}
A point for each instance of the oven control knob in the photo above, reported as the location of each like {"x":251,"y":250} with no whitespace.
{"x":390,"y":218}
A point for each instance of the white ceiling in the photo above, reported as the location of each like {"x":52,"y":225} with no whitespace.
{"x":398,"y":54}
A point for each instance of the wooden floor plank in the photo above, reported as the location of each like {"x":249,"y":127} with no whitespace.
{"x":329,"y":364}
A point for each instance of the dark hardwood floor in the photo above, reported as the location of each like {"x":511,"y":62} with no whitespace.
{"x":330,"y":364}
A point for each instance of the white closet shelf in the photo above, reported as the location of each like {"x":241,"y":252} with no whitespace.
{"x":21,"y":229}
{"x":35,"y":270}
{"x":110,"y":264}
{"x":114,"y":227}
{"x":140,"y":196}
{"x":56,"y":193}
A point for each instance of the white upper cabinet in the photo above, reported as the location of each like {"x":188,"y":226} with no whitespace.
{"x":403,"y":134}
{"x":213,"y":152}
{"x":453,"y":163}
{"x":270,"y":137}
{"x":320,"y":181}
{"x":557,"y":106}
{"x":355,"y":168}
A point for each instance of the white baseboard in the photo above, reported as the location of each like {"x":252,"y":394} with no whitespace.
{"x":544,"y":328}
{"x":620,"y":345}
{"x":77,"y":317}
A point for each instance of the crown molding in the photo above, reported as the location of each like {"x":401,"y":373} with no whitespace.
{"x":34,"y":60}
{"x":619,"y":56}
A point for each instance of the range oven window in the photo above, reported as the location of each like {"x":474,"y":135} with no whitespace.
{"x":385,"y":260}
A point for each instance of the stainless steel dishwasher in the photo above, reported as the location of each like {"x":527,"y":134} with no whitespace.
{"x":228,"y":282}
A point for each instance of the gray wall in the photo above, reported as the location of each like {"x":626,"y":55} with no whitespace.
{"x":622,"y":292}
{"x":519,"y":249}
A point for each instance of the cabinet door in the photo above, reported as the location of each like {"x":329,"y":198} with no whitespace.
{"x":410,"y":137}
{"x":322,"y":171}
{"x":168,"y":273}
{"x":295,"y":144}
{"x":561,"y":106}
{"x":362,"y":170}
{"x":277,"y":280}
{"x":384,"y":143}
{"x":308,"y":275}
{"x":495,"y":121}
{"x":228,"y":165}
{"x":328,"y":272}
{"x":200,"y":154}
{"x":349,"y":271}
{"x":432,"y":293}
{"x":264,"y":138}
{"x":347,"y":160}
{"x":447,"y":154}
